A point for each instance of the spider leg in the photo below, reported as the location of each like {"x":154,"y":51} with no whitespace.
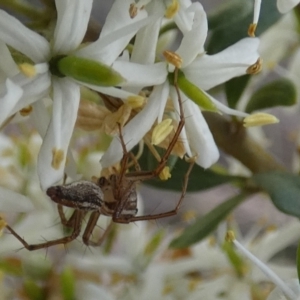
{"x":144,"y":175}
{"x":78,"y":217}
{"x":165,"y":214}
{"x":90,"y":227}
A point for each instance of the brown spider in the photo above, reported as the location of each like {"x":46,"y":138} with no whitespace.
{"x":115,"y":197}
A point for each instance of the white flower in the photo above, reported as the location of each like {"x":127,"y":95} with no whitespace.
{"x":203,"y":70}
{"x":283,"y":6}
{"x":286,"y":5}
{"x":72,"y":22}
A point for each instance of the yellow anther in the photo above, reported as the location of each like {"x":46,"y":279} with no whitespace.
{"x":161,"y":131}
{"x":173,"y":58}
{"x":260,"y":119}
{"x":251,"y":29}
{"x":230,"y":237}
{"x":255,"y":68}
{"x":165,"y":173}
{"x":27,"y":69}
{"x":133,"y":10}
{"x":58,"y":156}
{"x":135,"y":101}
{"x":172,"y":9}
{"x":26,"y":111}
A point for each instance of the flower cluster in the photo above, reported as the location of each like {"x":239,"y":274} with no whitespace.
{"x":71,"y":101}
{"x":45,"y":72}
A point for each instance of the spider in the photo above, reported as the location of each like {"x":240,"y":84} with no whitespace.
{"x":115,"y":196}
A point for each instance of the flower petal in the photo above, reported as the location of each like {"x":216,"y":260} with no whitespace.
{"x":199,"y":136}
{"x":15,"y":202}
{"x":7,"y":65}
{"x":116,"y":33}
{"x":10,"y":98}
{"x":72,"y":21}
{"x":285,"y":5}
{"x":134,"y":131}
{"x":16,"y":35}
{"x":141,"y":75}
{"x":144,"y":49}
{"x":66,"y":97}
{"x":193,"y":40}
{"x":210,"y":70}
{"x":33,"y":89}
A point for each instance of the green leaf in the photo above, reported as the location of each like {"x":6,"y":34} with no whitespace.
{"x":89,"y":71}
{"x":205,"y":225}
{"x":199,"y":179}
{"x":284,"y":190}
{"x":229,"y":11}
{"x":279,"y":92}
{"x":237,"y":28}
{"x":68,"y":284}
{"x":234,"y":89}
{"x":193,"y":92}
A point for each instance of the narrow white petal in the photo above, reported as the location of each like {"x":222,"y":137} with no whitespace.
{"x":145,"y":43}
{"x":9,"y":97}
{"x":33,"y":90}
{"x":199,"y":136}
{"x":72,"y":21}
{"x":183,"y":134}
{"x":225,"y":109}
{"x":141,"y":75}
{"x":66,"y":97}
{"x":15,"y":202}
{"x":40,"y":117}
{"x":286,"y":5}
{"x":118,"y":30}
{"x":7,"y":65}
{"x":16,"y":35}
{"x":134,"y":131}
{"x":111,"y":91}
{"x":208,"y":71}
{"x":193,"y":40}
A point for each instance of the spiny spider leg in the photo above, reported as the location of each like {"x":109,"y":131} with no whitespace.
{"x":165,"y":214}
{"x":78,"y":217}
{"x":90,"y":227}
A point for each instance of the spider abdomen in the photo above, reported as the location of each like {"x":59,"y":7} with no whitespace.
{"x":83,"y":195}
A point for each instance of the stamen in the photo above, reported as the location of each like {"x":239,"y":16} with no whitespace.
{"x":133,"y":10}
{"x":173,"y":58}
{"x":255,"y":68}
{"x":264,"y":268}
{"x":161,"y":131}
{"x":135,"y":101}
{"x":27,"y":69}
{"x":57,"y":158}
{"x":260,"y":119}
{"x":251,"y":29}
{"x":165,"y":174}
{"x":172,"y":9}
{"x":26,"y":111}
